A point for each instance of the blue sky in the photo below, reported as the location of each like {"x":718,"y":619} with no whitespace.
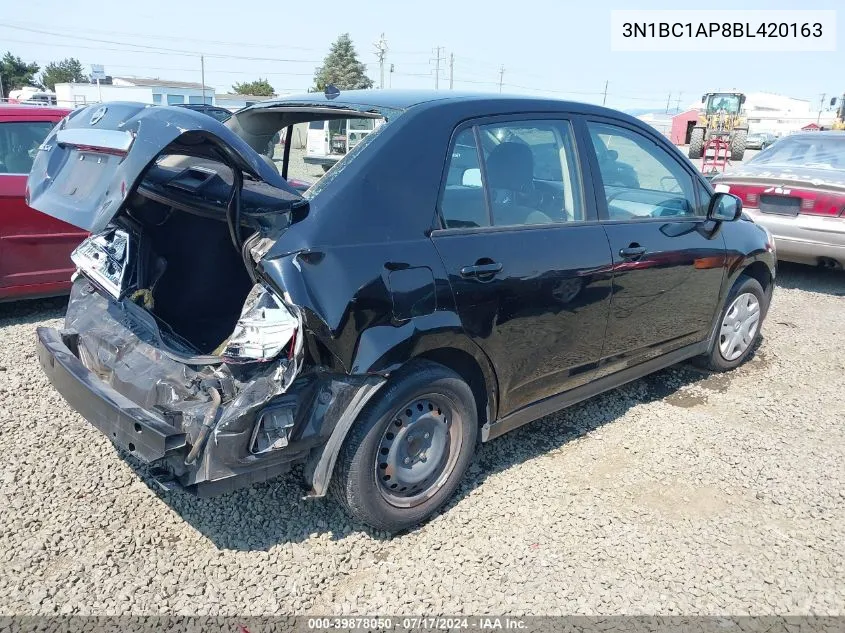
{"x":560,"y":47}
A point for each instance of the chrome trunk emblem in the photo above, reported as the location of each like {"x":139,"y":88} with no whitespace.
{"x":98,"y":114}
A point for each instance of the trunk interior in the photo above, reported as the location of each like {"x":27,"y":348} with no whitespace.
{"x":197,"y":277}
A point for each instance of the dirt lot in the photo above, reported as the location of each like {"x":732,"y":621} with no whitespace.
{"x":680,"y":493}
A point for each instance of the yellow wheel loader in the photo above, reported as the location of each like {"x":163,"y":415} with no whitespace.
{"x":722,"y":117}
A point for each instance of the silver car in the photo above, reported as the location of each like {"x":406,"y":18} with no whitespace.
{"x":796,"y":189}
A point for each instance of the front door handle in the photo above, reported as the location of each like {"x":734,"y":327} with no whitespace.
{"x":481,"y":270}
{"x":632,"y":252}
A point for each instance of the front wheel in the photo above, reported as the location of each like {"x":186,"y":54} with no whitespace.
{"x":739,"y":327}
{"x":738,"y":141}
{"x":696,"y":143}
{"x":408,"y":450}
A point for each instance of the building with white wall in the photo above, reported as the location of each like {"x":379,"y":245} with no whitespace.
{"x":156,"y":91}
{"x":165,"y":92}
{"x":235,"y":102}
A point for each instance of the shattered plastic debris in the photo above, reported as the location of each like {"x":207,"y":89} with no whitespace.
{"x":125,"y":354}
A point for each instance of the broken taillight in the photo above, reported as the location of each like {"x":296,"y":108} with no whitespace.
{"x":266,"y":326}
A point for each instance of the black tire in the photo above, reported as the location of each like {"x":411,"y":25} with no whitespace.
{"x":715,"y":360}
{"x":355,"y":485}
{"x":326,"y":168}
{"x":696,"y":142}
{"x":738,"y":142}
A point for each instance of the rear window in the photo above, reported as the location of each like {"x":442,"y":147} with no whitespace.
{"x":818,"y":152}
{"x":316,"y":125}
{"x":19,"y":142}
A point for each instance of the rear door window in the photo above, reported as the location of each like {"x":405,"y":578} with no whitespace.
{"x":19,"y":142}
{"x":529,"y":176}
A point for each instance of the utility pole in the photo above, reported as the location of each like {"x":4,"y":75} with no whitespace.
{"x":390,"y":81}
{"x":678,"y":104}
{"x":437,"y":68}
{"x":202,"y":76}
{"x":668,"y":99}
{"x":381,"y":51}
{"x":451,"y":71}
{"x":2,"y":94}
{"x":501,"y":77}
{"x":821,"y":105}
{"x":604,"y":98}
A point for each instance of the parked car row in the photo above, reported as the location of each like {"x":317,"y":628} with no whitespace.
{"x":760,"y":140}
{"x":796,"y":189}
{"x":528,"y":254}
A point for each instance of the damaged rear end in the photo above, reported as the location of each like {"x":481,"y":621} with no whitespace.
{"x":175,"y":345}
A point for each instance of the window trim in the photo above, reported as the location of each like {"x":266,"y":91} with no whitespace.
{"x":591,"y":215}
{"x":598,"y":183}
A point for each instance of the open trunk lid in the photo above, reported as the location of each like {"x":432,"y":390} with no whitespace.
{"x":98,"y":155}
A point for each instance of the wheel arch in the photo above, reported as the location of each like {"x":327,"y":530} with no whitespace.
{"x":477,"y":373}
{"x":759,"y":271}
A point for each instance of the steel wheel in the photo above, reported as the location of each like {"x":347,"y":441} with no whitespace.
{"x":739,"y":327}
{"x":418,"y":450}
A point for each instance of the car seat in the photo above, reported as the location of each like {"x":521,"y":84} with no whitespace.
{"x":510,"y":178}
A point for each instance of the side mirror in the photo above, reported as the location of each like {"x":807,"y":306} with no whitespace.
{"x":742,"y":98}
{"x":724,"y":207}
{"x":703,"y":98}
{"x":471,"y":177}
{"x":833,"y":102}
{"x":612,"y":154}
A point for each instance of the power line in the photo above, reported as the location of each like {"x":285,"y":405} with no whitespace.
{"x":155,"y":49}
{"x":148,"y":36}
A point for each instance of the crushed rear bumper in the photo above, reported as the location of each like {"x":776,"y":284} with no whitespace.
{"x":130,"y":427}
{"x":109,"y":368}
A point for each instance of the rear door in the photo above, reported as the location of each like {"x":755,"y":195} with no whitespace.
{"x":526,"y":258}
{"x":34,"y":248}
{"x":317,"y":142}
{"x":668,"y":260}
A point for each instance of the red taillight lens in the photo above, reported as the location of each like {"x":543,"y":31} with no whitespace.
{"x":749,"y":195}
{"x":818,"y":203}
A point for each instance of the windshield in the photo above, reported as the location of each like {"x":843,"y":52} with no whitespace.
{"x":823,"y":152}
{"x":727,"y":103}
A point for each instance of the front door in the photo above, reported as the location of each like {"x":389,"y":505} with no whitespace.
{"x":527,"y":261}
{"x":34,"y":248}
{"x":668,"y":260}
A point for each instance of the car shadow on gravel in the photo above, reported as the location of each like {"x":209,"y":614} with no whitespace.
{"x":264,"y":515}
{"x":810,"y":279}
{"x":32,"y":310}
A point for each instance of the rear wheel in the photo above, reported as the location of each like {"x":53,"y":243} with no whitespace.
{"x":408,"y":450}
{"x":738,"y":142}
{"x":696,"y":142}
{"x":739,"y":327}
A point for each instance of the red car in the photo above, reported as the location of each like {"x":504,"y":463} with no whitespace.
{"x":34,"y":248}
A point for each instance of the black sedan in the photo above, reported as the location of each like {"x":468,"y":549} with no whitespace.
{"x":475,"y":264}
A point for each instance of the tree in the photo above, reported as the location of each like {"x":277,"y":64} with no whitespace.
{"x":66,"y":71}
{"x":258,"y":88}
{"x":342,"y":68}
{"x":16,"y":73}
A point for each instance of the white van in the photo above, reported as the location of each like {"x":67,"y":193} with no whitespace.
{"x":329,"y":141}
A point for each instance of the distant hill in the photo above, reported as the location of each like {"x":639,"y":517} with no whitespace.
{"x":639,"y":111}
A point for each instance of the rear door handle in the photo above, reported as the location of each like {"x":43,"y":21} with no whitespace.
{"x":481,"y":269}
{"x":632,"y":252}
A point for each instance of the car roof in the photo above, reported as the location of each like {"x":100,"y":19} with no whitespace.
{"x":22,"y":110}
{"x":403,"y":99}
{"x":817,"y":134}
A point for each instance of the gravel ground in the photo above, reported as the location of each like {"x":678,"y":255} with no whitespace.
{"x":681,"y":493}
